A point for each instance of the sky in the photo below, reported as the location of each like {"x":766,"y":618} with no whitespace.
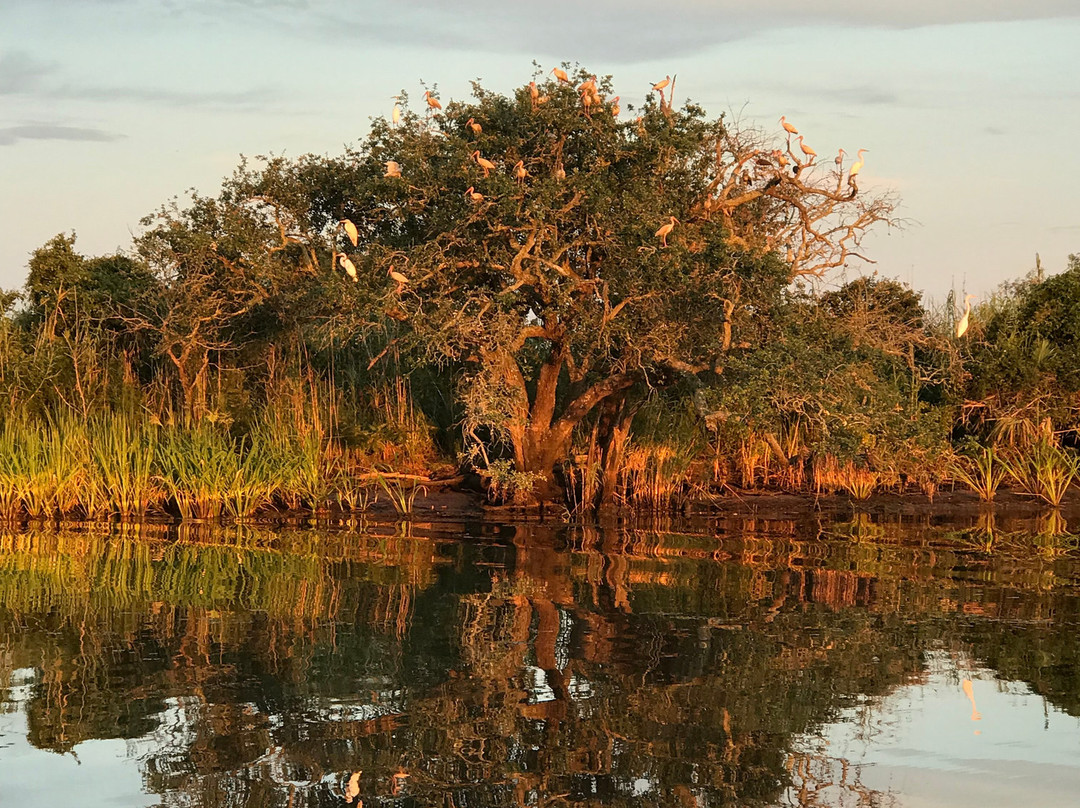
{"x":970,"y":109}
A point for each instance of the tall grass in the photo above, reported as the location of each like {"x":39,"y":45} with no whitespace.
{"x":1043,"y":469}
{"x":982,"y":471}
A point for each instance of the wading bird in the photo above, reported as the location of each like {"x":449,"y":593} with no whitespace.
{"x":476,"y":128}
{"x":350,"y":231}
{"x":349,"y":267}
{"x":856,"y":167}
{"x":534,"y":92}
{"x":487,"y":165}
{"x":393,"y":169}
{"x":401,"y":280}
{"x":791,"y":130}
{"x":473,"y":196}
{"x":840,"y":158}
{"x":660,"y":85}
{"x":560,"y":74}
{"x":432,"y":101}
{"x":962,"y":326}
{"x":520,"y":172}
{"x":663,"y":232}
{"x":807,"y":150}
{"x":615,"y":108}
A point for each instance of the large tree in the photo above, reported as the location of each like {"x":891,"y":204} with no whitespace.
{"x":523,"y":227}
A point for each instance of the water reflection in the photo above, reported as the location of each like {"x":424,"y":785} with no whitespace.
{"x":746,"y":662}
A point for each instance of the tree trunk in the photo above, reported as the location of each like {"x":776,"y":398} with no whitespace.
{"x":614,"y":430}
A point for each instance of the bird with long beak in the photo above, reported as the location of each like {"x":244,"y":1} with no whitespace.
{"x":476,"y":128}
{"x":349,"y":267}
{"x":393,"y":169}
{"x":473,"y":195}
{"x":395,"y":115}
{"x":401,"y":280}
{"x":807,"y":150}
{"x":856,"y":167}
{"x":560,"y":74}
{"x":839,"y":160}
{"x":615,"y":108}
{"x":534,"y":92}
{"x":432,"y":101}
{"x":962,"y":326}
{"x":660,"y":85}
{"x":487,"y":165}
{"x":520,"y":172}
{"x":791,"y":130}
{"x":350,"y":231}
{"x":665,"y":230}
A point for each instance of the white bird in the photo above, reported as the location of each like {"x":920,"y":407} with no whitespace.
{"x":349,"y":267}
{"x":350,"y":231}
{"x":663,"y":232}
{"x":807,"y":150}
{"x":962,"y":326}
{"x":393,"y":169}
{"x":395,"y":116}
{"x":791,"y":130}
{"x":560,"y":74}
{"x":401,"y":280}
{"x":660,"y":85}
{"x":856,"y":167}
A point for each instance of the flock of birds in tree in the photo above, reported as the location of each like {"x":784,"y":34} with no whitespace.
{"x":592,"y":99}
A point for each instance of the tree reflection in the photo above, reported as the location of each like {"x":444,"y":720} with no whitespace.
{"x":584,"y":665}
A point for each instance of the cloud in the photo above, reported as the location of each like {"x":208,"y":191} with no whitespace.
{"x":21,"y":72}
{"x":11,"y":135}
{"x":162,"y":95}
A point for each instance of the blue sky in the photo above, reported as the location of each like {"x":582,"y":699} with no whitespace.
{"x":970,"y":110}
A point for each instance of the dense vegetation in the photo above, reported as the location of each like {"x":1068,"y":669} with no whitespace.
{"x":480,"y":291}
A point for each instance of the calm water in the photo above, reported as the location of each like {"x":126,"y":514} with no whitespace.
{"x":738,"y":663}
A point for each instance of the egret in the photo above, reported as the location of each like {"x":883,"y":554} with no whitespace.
{"x":520,"y":172}
{"x":348,"y":266}
{"x":350,"y":231}
{"x":395,"y":116}
{"x":663,"y":232}
{"x":615,"y":108}
{"x":476,"y":128}
{"x":560,"y":74}
{"x":393,"y":169}
{"x":962,"y":326}
{"x":401,"y":280}
{"x":487,"y":165}
{"x":432,"y":101}
{"x":856,"y":167}
{"x":473,"y":196}
{"x":660,"y":85}
{"x":807,"y":150}
{"x":791,"y":130}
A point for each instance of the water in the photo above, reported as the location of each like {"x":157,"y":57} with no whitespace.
{"x":742,"y":663}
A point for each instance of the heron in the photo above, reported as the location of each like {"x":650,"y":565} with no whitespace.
{"x":856,"y":167}
{"x":965,"y":321}
{"x":348,"y":266}
{"x":487,"y":165}
{"x":350,"y":231}
{"x":663,"y":232}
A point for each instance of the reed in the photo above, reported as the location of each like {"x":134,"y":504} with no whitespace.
{"x":982,"y":471}
{"x":122,"y":480}
{"x":401,"y":493}
{"x":1043,"y":469}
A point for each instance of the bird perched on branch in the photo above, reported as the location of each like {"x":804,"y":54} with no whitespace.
{"x":660,"y":85}
{"x":520,"y":172}
{"x":856,"y":167}
{"x":432,"y":101}
{"x":615,"y":108}
{"x":487,"y":165}
{"x":839,"y":160}
{"x":395,"y":115}
{"x":350,"y":231}
{"x":560,"y":74}
{"x":476,"y":128}
{"x":473,"y":196}
{"x":393,"y":169}
{"x":401,"y":280}
{"x":807,"y":150}
{"x":663,"y":232}
{"x":791,"y":130}
{"x":962,"y":326}
{"x":349,"y":267}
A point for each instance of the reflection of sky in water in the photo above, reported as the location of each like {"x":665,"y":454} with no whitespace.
{"x":921,"y":746}
{"x":103,"y":772}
